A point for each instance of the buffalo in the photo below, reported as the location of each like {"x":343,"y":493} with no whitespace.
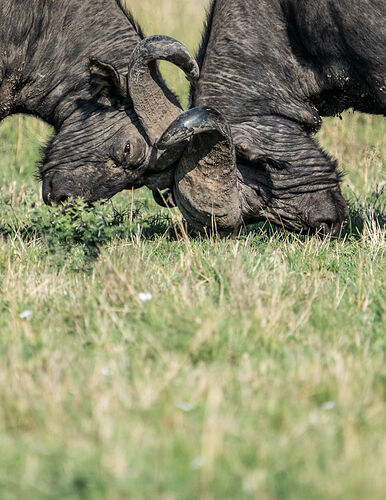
{"x":273,"y":68}
{"x":65,"y":61}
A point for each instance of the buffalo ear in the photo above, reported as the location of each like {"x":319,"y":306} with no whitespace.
{"x":105,"y":81}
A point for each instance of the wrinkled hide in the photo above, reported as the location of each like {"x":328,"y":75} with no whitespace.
{"x":273,"y":68}
{"x":66,"y":61}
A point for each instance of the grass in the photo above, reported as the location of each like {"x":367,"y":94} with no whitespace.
{"x":256,"y":370}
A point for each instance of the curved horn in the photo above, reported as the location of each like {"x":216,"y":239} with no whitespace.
{"x":205,"y":188}
{"x":153,"y":102}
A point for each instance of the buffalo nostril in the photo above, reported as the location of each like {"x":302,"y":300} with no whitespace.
{"x":47,"y":198}
{"x":336,"y":228}
{"x":329,"y":229}
{"x":324,"y":228}
{"x":47,"y":192}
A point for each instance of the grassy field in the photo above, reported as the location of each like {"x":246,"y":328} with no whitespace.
{"x":138,"y":363}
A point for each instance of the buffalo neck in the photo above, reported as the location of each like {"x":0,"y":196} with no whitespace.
{"x":45,"y":51}
{"x":299,"y":61}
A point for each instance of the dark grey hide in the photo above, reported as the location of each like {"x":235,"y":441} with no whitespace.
{"x":273,"y":68}
{"x":64,"y":61}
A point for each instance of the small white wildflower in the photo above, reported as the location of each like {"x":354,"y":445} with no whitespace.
{"x":328,"y":406}
{"x":106,"y":372}
{"x":145,"y":297}
{"x":182,"y":405}
{"x":197,"y":463}
{"x":25,"y":314}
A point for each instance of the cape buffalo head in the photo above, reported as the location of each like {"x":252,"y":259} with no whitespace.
{"x":107,"y":143}
{"x":216,"y":188}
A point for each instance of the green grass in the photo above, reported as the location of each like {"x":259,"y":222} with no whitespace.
{"x":257,"y":369}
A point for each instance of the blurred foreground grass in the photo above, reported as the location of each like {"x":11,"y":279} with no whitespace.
{"x":256,"y":369}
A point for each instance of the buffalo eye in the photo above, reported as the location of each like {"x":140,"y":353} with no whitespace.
{"x":127,"y":149}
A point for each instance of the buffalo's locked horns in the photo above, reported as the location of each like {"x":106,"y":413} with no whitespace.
{"x":205,"y":181}
{"x":155,"y":105}
{"x":149,"y":93}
